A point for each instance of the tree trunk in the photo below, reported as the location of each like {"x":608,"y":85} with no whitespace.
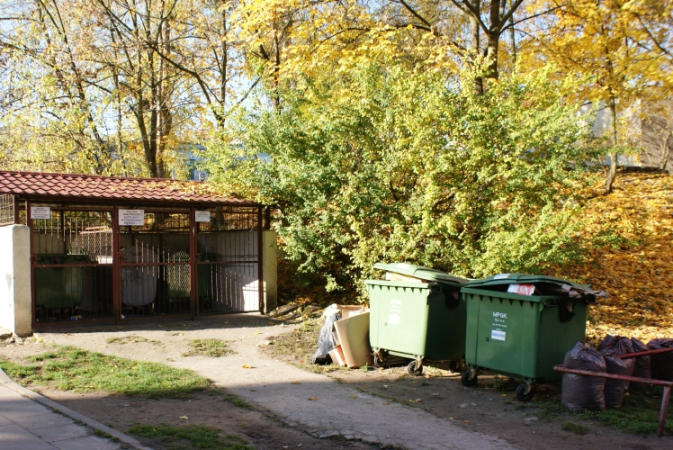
{"x":493,"y":38}
{"x":476,"y":45}
{"x":612,"y":173}
{"x":513,"y":37}
{"x":665,"y":151}
{"x":492,"y":54}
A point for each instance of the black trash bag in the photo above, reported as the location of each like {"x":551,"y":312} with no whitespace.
{"x":620,"y":344}
{"x":579,"y":392}
{"x":325,"y":341}
{"x":642,"y":369}
{"x":614,"y":389}
{"x":613,"y":346}
{"x":662,"y":363}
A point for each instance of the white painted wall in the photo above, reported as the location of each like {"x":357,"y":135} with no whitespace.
{"x":15,"y":273}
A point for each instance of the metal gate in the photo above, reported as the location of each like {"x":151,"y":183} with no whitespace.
{"x":89,"y":263}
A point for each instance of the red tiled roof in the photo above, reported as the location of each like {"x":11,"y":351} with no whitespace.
{"x":94,"y":187}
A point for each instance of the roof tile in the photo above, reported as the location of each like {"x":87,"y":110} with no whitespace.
{"x":110,"y":188}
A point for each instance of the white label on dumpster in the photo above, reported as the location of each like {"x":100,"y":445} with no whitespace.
{"x":394,"y":319}
{"x":501,"y":276}
{"x":498,"y":335}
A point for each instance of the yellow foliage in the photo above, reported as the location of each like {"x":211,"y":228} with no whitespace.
{"x":636,"y":272}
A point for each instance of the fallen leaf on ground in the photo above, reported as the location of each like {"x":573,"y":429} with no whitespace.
{"x":313,"y":398}
{"x":354,"y":396}
{"x":296,"y":382}
{"x":247,"y":366}
{"x":183,"y":418}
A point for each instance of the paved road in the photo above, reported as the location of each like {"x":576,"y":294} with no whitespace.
{"x":284,"y":390}
{"x":27,"y":424}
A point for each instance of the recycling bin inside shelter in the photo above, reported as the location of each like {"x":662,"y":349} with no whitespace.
{"x":59,"y":287}
{"x":417,"y":314}
{"x":522,"y":325}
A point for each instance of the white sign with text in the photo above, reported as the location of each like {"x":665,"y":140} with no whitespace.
{"x":132,"y":217}
{"x":203,"y":216}
{"x":40,"y":212}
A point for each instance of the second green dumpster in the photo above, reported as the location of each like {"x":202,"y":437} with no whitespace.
{"x":418,"y":315}
{"x":522,"y":325}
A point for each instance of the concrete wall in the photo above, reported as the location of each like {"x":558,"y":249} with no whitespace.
{"x":15,"y":295}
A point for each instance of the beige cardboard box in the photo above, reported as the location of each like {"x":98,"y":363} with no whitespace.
{"x":353,"y":335}
{"x":337,"y":356}
{"x":351,"y":310}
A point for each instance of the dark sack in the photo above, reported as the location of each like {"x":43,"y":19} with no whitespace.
{"x":662,"y":363}
{"x":642,"y":369}
{"x":613,"y":346}
{"x":325,"y":341}
{"x":614,"y":389}
{"x":619,"y":344}
{"x":579,"y":392}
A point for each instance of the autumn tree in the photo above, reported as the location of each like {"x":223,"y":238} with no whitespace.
{"x":115,"y":86}
{"x":592,"y":37}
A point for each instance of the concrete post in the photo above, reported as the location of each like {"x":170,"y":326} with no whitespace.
{"x":270,"y":270}
{"x":15,"y":280}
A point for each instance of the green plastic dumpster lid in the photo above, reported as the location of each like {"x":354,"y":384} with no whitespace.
{"x":522,"y":278}
{"x":421,"y":272}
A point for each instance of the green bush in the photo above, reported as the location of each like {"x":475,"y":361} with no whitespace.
{"x":386,"y":165}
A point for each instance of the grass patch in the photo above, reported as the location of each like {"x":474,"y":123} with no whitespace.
{"x":73,"y":369}
{"x":639,"y":413}
{"x":238,"y":402}
{"x":299,"y":345}
{"x":575,"y":428}
{"x":209,"y":347}
{"x":188,"y":437}
{"x":132,"y":339}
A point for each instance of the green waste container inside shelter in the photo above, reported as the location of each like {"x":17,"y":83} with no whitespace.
{"x":179,"y":284}
{"x":421,"y":317}
{"x":59,"y":287}
{"x":205,"y":276}
{"x":521,"y":336}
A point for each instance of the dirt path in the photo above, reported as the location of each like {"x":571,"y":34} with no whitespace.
{"x":350,"y":405}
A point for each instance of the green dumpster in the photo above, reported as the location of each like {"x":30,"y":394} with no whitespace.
{"x":60,"y":286}
{"x":419,"y":316}
{"x":205,"y":276}
{"x":522,"y":333}
{"x":179,"y":283}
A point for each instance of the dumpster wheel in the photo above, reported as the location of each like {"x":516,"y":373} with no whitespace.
{"x":524,"y":392}
{"x":379,"y":359}
{"x":415,"y":368}
{"x":468,"y":379}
